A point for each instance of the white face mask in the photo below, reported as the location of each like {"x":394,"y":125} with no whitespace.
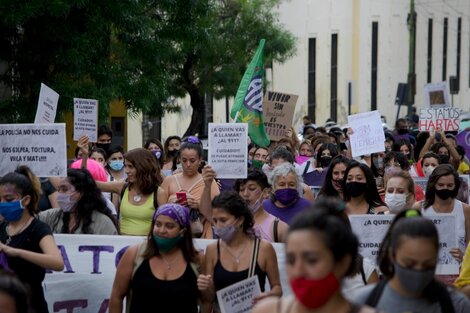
{"x":428,"y":170}
{"x":395,"y":201}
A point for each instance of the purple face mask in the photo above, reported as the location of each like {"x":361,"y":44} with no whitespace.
{"x":286,"y":196}
{"x":300,"y":159}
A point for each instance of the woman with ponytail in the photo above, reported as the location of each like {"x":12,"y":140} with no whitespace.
{"x":28,"y":243}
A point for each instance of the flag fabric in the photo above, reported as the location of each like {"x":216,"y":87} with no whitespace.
{"x":248,"y":105}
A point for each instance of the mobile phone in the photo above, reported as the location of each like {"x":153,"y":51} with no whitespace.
{"x":181,"y":196}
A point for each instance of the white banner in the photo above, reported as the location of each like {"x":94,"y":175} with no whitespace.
{"x":84,"y":286}
{"x":42,"y":147}
{"x":368,"y":134}
{"x":228,"y":149}
{"x":47,"y":105}
{"x":85,"y":119}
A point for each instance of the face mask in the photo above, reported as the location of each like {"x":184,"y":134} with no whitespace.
{"x":378,"y":163}
{"x":395,"y":201}
{"x":12,"y":211}
{"x":337,"y":184}
{"x":428,"y":170}
{"x":314,"y":293}
{"x":412,"y":280}
{"x":300,"y":159}
{"x":166,"y":244}
{"x":402,"y":131}
{"x":173,"y":153}
{"x":325,"y":161}
{"x":444,"y":158}
{"x":157,"y":154}
{"x":444,"y":194}
{"x":356,"y":189}
{"x":116,"y":165}
{"x":104,"y":146}
{"x":226,"y":233}
{"x":254,"y":207}
{"x":257,"y":163}
{"x":343,"y":146}
{"x":65,"y":201}
{"x":286,"y":196}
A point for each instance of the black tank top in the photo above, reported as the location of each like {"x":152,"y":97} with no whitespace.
{"x":150,"y":294}
{"x":224,"y":278}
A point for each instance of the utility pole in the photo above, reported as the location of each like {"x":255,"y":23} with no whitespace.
{"x":411,"y":56}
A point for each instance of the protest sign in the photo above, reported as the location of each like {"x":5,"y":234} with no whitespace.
{"x":238,"y":298}
{"x":421,"y":181}
{"x":447,"y":119}
{"x":85,"y":119}
{"x":278,"y":111}
{"x":368,"y":134}
{"x":42,"y":147}
{"x":371,"y":229}
{"x":463,"y":139}
{"x":90,"y":266}
{"x":47,"y":105}
{"x":436,"y":95}
{"x":228,"y":149}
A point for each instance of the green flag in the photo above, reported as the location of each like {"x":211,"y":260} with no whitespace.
{"x":248,"y":105}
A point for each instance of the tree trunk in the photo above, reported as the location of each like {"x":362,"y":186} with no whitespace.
{"x":197,"y":101}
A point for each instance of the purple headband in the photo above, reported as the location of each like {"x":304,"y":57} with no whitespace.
{"x":176,"y":211}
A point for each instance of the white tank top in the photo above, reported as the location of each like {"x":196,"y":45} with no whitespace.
{"x":457,"y":211}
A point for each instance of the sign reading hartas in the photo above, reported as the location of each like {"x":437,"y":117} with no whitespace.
{"x":47,"y":105}
{"x":228,"y":149}
{"x":278,"y":111}
{"x":436,"y":95}
{"x":42,"y":147}
{"x":371,"y":229}
{"x":368,"y":134}
{"x":85,"y":119}
{"x":237,"y":298}
{"x":447,"y":119}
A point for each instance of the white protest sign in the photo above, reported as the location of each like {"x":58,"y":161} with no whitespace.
{"x":42,"y":147}
{"x":447,"y":119}
{"x":85,"y":119}
{"x":368,"y":134}
{"x":47,"y":105}
{"x":436,"y":95}
{"x":371,"y":229}
{"x":90,"y":266}
{"x":228,"y":149}
{"x":237,"y":298}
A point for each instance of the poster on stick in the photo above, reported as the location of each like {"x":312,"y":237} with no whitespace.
{"x":368,"y":134}
{"x":228,"y":149}
{"x":42,"y":147}
{"x":47,"y":105}
{"x":436,"y":95}
{"x":238,"y":298}
{"x":278,"y":111}
{"x":447,"y":119}
{"x":85,"y":119}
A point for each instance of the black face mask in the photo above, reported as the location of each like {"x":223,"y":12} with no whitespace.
{"x":173,"y":153}
{"x":445,"y":194}
{"x":343,"y":146}
{"x":444,"y":158}
{"x":104,"y":146}
{"x":356,"y":189}
{"x":325,"y":161}
{"x":402,"y":131}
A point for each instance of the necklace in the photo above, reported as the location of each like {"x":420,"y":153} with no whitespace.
{"x":137,"y":198}
{"x":237,"y":258}
{"x":168,"y":263}
{"x":23,"y":227}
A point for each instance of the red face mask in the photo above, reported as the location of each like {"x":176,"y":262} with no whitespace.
{"x":313,"y":293}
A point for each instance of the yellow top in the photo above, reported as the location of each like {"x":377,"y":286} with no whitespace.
{"x":136,"y":219}
{"x":463,"y":167}
{"x":464,"y":276}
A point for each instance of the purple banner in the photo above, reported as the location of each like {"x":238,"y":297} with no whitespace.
{"x":463,"y":139}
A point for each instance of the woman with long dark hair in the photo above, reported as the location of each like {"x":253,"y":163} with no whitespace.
{"x":333,"y":184}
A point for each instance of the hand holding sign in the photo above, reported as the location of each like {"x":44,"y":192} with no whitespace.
{"x":83,"y":145}
{"x":208,"y":175}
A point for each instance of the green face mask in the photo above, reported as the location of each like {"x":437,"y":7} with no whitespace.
{"x":166,"y":244}
{"x":257,"y":163}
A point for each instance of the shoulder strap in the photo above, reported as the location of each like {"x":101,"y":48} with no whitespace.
{"x":275,"y":230}
{"x":376,"y":293}
{"x":363,"y":274}
{"x":306,"y":167}
{"x":177,"y":181}
{"x":254,"y":258}
{"x":123,"y":190}
{"x":194,"y":185}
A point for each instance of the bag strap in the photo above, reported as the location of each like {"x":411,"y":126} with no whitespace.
{"x":363,"y":274}
{"x":306,"y":167}
{"x":376,"y":293}
{"x":275,"y":230}
{"x":254,"y":258}
{"x":123,"y":190}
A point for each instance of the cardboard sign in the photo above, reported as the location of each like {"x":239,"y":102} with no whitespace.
{"x":371,"y":229}
{"x":237,"y":298}
{"x":41,"y":147}
{"x":85,"y":119}
{"x":436,"y":95}
{"x":447,"y":119}
{"x":47,"y":105}
{"x":228,"y":149}
{"x":278,"y":111}
{"x":368,"y":134}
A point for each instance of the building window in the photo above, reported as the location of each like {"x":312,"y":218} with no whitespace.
{"x":334,"y":78}
{"x":311,"y":77}
{"x":374,"y":58}
{"x":429,"y":79}
{"x":459,"y":48}
{"x":444,"y":50}
{"x":208,"y":114}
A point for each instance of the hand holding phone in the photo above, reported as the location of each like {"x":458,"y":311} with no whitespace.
{"x":181,"y":197}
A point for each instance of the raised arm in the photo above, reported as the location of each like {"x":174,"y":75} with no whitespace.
{"x":208,"y":175}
